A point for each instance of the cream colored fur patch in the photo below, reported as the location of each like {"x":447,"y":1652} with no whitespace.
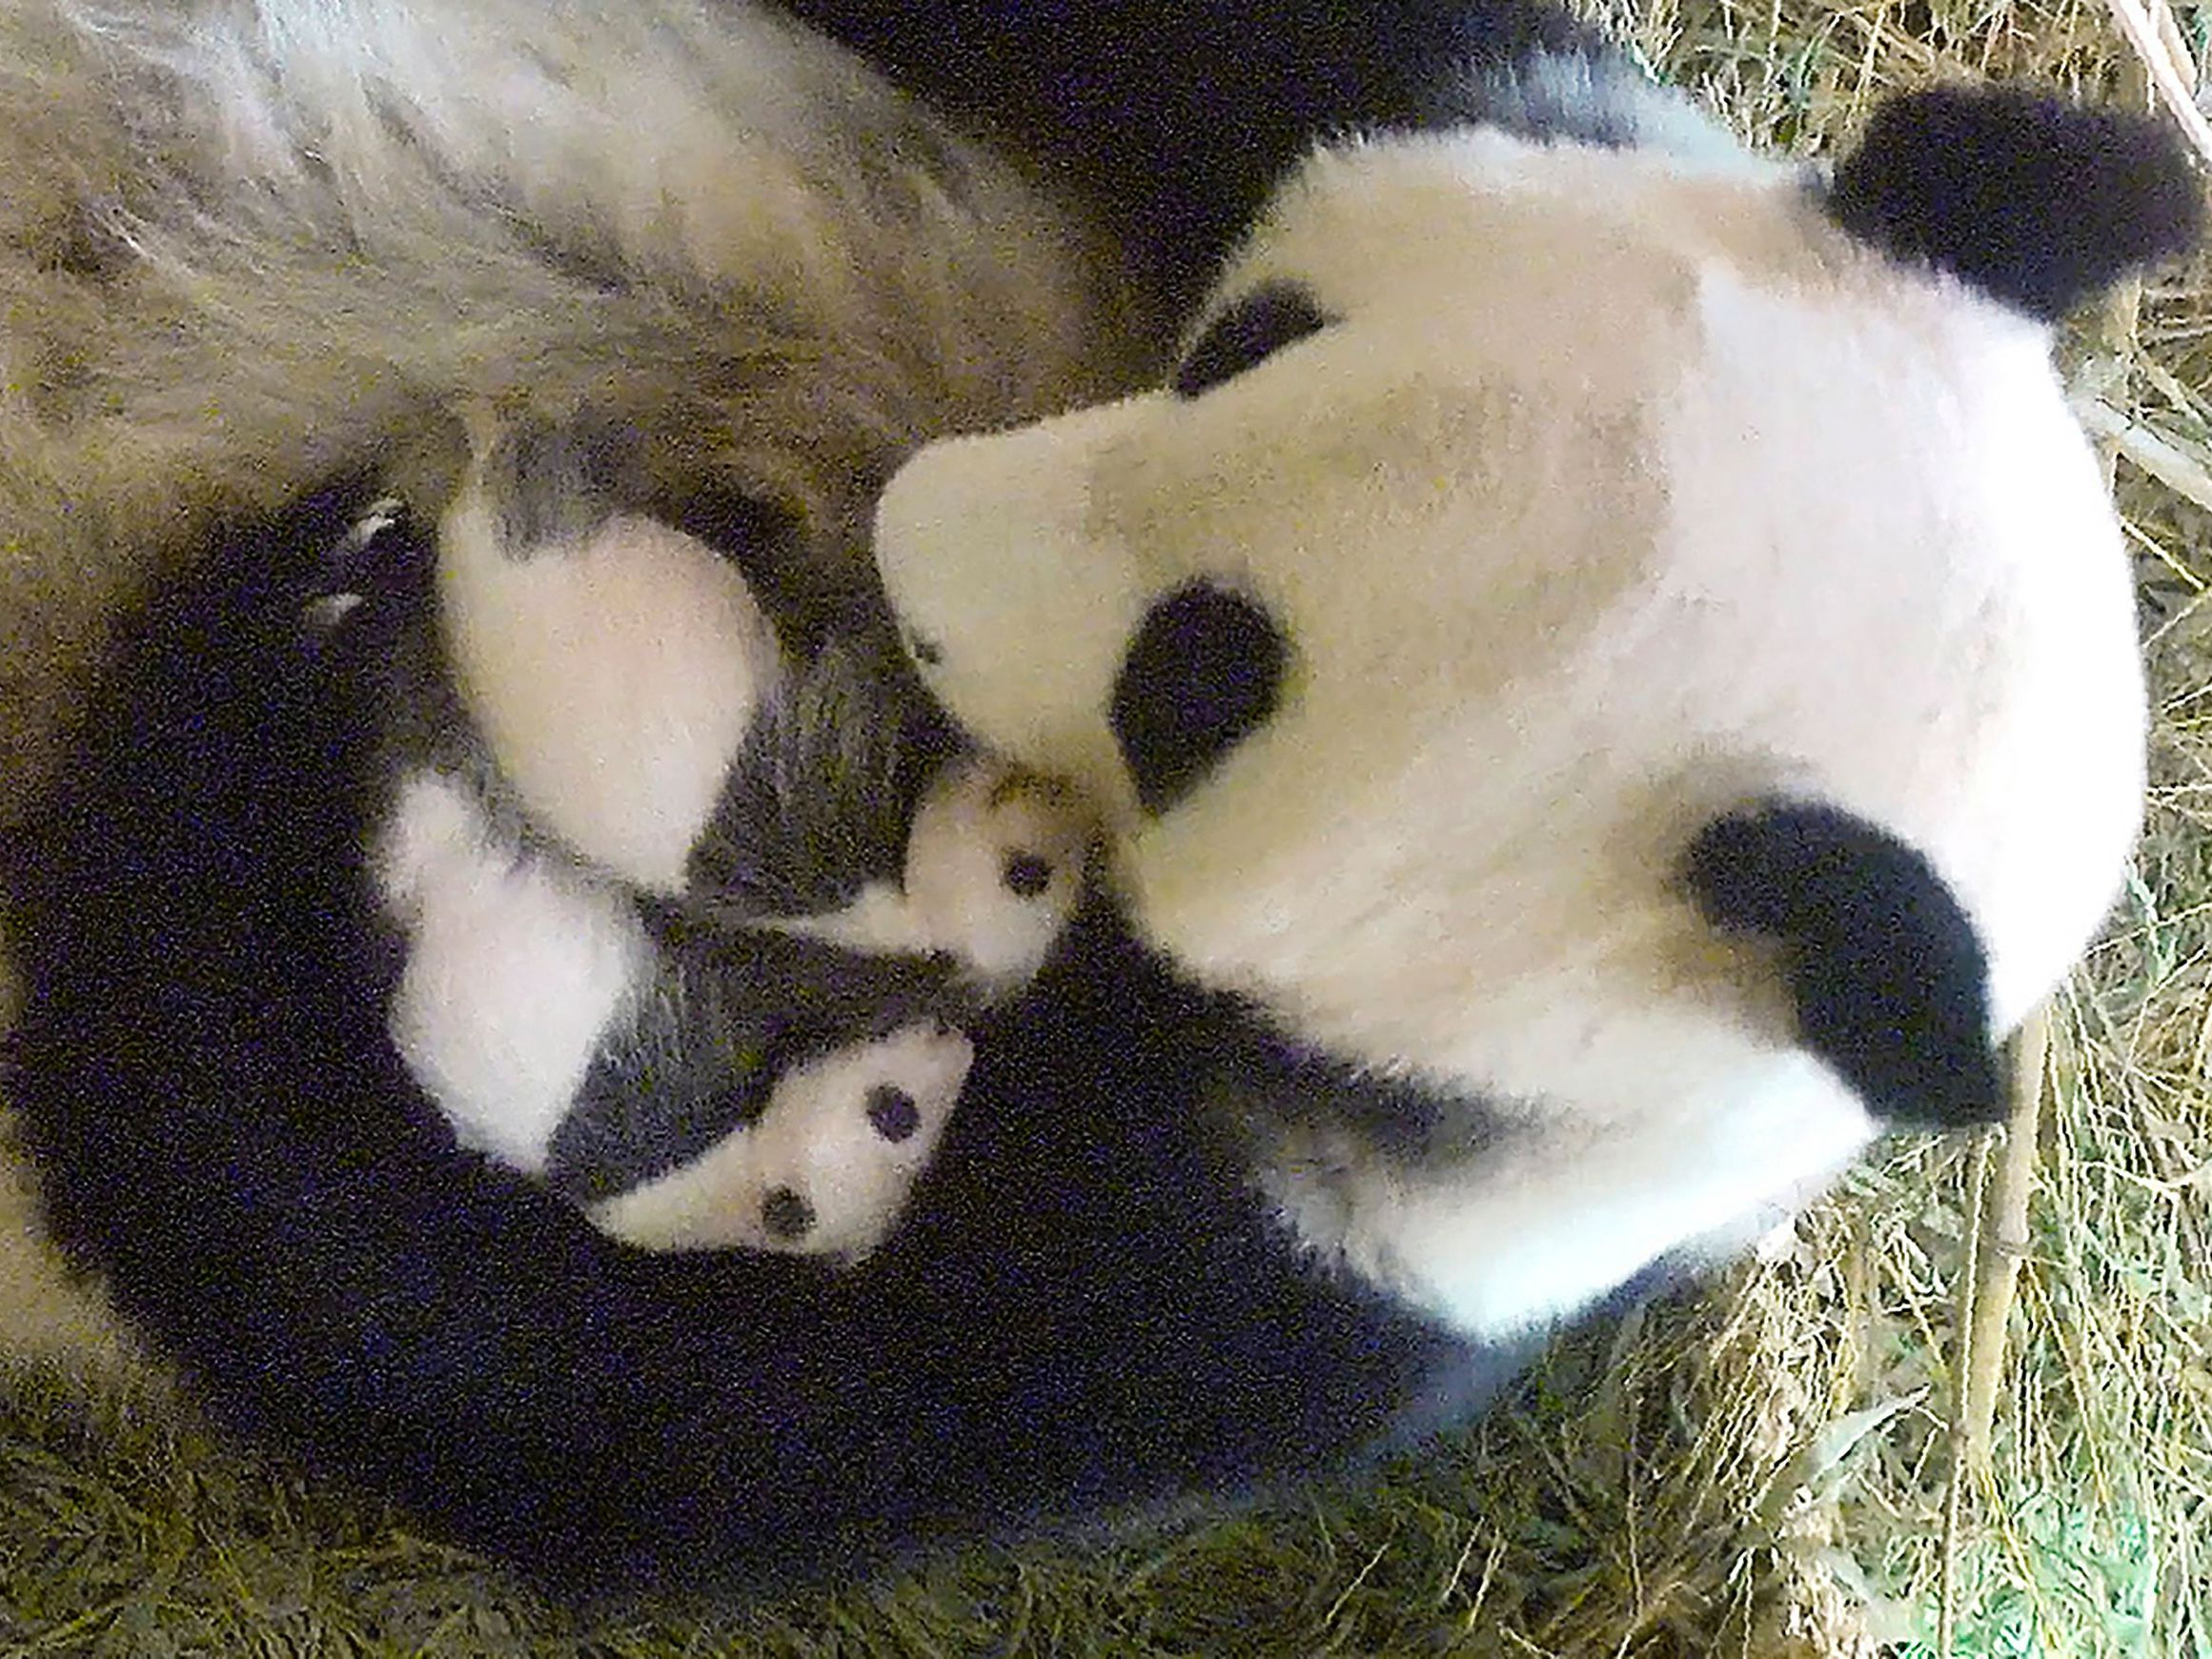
{"x":1618,"y":489}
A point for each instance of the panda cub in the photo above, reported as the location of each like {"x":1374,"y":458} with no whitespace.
{"x":691,"y":924}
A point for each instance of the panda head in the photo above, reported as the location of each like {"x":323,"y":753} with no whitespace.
{"x":1563,"y":571}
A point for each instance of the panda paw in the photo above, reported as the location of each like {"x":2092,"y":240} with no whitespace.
{"x":372,"y":552}
{"x":996,"y":866}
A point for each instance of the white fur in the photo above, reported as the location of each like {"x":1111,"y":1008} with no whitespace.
{"x":978,"y":818}
{"x":815,"y":1138}
{"x":345,"y":209}
{"x":326,"y":223}
{"x":612,"y":679}
{"x":953,"y":898}
{"x":516,"y":967}
{"x":1620,"y":491}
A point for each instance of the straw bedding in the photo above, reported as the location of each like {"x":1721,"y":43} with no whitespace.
{"x":1784,"y":1467}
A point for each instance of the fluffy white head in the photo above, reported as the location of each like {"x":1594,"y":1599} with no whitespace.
{"x":996,"y":863}
{"x":1608,"y":491}
{"x":828,"y":1167}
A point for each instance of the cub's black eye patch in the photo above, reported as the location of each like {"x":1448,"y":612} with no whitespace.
{"x":1025,"y":874}
{"x":1254,"y":328}
{"x":1203,"y":673}
{"x":787,"y":1215}
{"x":892,"y":1113}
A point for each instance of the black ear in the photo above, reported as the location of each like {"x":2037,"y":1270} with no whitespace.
{"x":1203,"y":673}
{"x":2035,"y":202}
{"x":1886,"y":970}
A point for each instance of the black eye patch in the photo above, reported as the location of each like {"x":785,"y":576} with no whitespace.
{"x":1271,"y":317}
{"x":1203,"y":673}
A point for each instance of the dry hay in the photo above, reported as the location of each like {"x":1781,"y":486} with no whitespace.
{"x":1792,"y":1482}
{"x":1769,"y":1470}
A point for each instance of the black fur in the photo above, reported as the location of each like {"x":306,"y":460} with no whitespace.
{"x":821,"y":798}
{"x":1251,"y":330}
{"x":1203,"y":672}
{"x":1085,"y":1313}
{"x":1025,"y":874}
{"x":729,"y":1013}
{"x":1269,"y":1084}
{"x":1887,"y":972}
{"x":557,"y":482}
{"x":2034,"y":202}
{"x":1180,"y":119}
{"x":892,"y":1113}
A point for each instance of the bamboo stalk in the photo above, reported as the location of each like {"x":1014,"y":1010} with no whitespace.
{"x":2002,"y":1242}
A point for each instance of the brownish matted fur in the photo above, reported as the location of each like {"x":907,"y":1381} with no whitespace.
{"x":244,"y":246}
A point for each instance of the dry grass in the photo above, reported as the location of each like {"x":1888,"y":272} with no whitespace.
{"x":2082,"y":1533}
{"x":1769,"y":1472}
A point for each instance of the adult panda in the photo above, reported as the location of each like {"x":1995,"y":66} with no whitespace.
{"x":1610,"y":654}
{"x":268,"y":254}
{"x":1113,"y":1289}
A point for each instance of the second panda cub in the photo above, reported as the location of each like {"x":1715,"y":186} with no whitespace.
{"x":692,"y":920}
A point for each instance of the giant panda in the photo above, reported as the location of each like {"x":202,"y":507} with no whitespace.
{"x":691,"y":921}
{"x":1612,"y":651}
{"x":1211,"y":1216}
{"x":251,"y":249}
